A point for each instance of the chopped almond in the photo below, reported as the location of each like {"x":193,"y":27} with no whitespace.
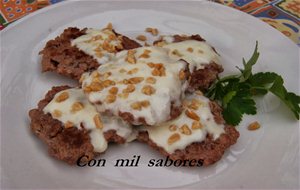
{"x":172,"y":127}
{"x":113,"y":90}
{"x":56,"y":113}
{"x":192,"y":115}
{"x":110,"y":98}
{"x":173,"y":138}
{"x":98,"y":121}
{"x":153,"y":31}
{"x":136,"y":106}
{"x":184,"y":129}
{"x":141,"y":38}
{"x":150,"y":80}
{"x":253,"y":126}
{"x":77,"y":106}
{"x":196,"y":125}
{"x":62,"y":97}
{"x":148,"y":90}
{"x":69,"y":124}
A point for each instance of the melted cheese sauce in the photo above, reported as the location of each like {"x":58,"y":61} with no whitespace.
{"x":183,"y":131}
{"x":196,"y":53}
{"x":83,"y":114}
{"x":157,"y":85}
{"x":100,"y":44}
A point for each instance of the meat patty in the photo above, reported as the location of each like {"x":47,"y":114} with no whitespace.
{"x":61,"y":57}
{"x":66,"y":144}
{"x":200,"y":79}
{"x":209,"y":150}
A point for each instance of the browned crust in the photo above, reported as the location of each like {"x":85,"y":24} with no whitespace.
{"x":66,"y":144}
{"x":59,"y":56}
{"x":202,"y":78}
{"x":209,"y":150}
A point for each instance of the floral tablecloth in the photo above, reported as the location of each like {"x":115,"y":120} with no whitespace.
{"x":283,"y":15}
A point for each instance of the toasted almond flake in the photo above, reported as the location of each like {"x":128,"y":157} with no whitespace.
{"x":160,"y":44}
{"x":148,"y":90}
{"x":106,"y":75}
{"x":108,"y":47}
{"x":192,"y":115}
{"x":145,"y":103}
{"x":130,"y":88}
{"x":108,"y":83}
{"x":96,"y":86}
{"x":95,"y":74}
{"x":177,"y":53}
{"x":141,"y":38}
{"x":151,"y":65}
{"x":76,"y":106}
{"x":120,"y":46}
{"x":130,"y":56}
{"x":136,"y":106}
{"x":110,"y":98}
{"x":122,"y":70}
{"x":133,"y":71}
{"x":109,"y":26}
{"x":159,"y":69}
{"x":112,"y":37}
{"x":190,"y":49}
{"x":96,"y":79}
{"x":146,"y":44}
{"x":155,"y":72}
{"x":173,"y":138}
{"x":158,"y":72}
{"x":173,"y":127}
{"x":99,"y":54}
{"x":113,"y":90}
{"x":131,"y":59}
{"x":123,"y":95}
{"x":125,"y":81}
{"x":153,"y":31}
{"x":195,"y":104}
{"x":145,"y":54}
{"x":253,"y":126}
{"x":87,"y":89}
{"x":184,"y":129}
{"x":98,"y":121}
{"x":196,"y":125}
{"x":135,"y":80}
{"x":56,"y":113}
{"x":69,"y":124}
{"x":62,"y":97}
{"x":151,"y":80}
{"x":181,"y":74}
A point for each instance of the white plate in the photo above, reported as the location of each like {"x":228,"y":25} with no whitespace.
{"x":266,"y":158}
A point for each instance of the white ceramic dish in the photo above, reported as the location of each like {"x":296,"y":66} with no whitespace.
{"x":266,"y":158}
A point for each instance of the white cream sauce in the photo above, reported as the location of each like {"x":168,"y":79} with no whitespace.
{"x":160,"y":134}
{"x":99,"y":44}
{"x":85,"y":117}
{"x":196,"y":53}
{"x":168,"y":88}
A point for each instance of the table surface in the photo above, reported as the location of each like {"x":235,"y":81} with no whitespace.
{"x":281,"y":14}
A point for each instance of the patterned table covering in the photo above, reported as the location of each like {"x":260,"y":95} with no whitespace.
{"x":281,"y":14}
